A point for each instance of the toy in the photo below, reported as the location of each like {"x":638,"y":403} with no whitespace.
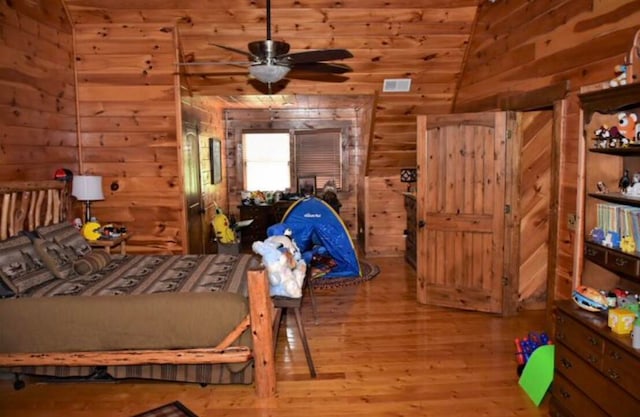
{"x":589,"y":299}
{"x":628,"y":126}
{"x":621,"y":320}
{"x":624,"y":182}
{"x":620,"y":72}
{"x":597,"y":235}
{"x":628,"y":245}
{"x":91,"y":231}
{"x":611,"y":240}
{"x":285,"y":267}
{"x":224,"y":233}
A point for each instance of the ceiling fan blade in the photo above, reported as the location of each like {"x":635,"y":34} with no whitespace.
{"x":240,"y":51}
{"x":323,"y":67}
{"x":306,"y":57}
{"x":216,"y":74}
{"x":205,"y":63}
{"x":317,"y":76}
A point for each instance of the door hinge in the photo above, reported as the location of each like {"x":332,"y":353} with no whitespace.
{"x":505,"y":281}
{"x":507,"y":208}
{"x":509,"y":133}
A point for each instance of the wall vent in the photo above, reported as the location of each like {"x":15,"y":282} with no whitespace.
{"x":396,"y":85}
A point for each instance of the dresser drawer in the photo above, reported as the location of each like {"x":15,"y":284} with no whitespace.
{"x":595,"y":253}
{"x":610,"y":397}
{"x":586,"y":343}
{"x":569,"y":400}
{"x":624,"y":264}
{"x":623,"y":369}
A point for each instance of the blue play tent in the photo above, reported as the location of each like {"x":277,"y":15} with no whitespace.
{"x":317,"y":227}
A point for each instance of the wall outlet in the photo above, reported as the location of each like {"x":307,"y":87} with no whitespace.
{"x":572,"y":221}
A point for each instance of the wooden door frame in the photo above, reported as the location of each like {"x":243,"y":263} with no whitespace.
{"x":511,"y":265}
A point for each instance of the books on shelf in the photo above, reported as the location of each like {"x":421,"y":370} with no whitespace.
{"x":618,"y":218}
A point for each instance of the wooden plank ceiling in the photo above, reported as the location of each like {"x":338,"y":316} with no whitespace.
{"x":423,"y":40}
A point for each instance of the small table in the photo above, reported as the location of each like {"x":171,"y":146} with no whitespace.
{"x":107,"y":244}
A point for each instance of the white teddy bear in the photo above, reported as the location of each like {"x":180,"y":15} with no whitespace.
{"x":286,"y":270}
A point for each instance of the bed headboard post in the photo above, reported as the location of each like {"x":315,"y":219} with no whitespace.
{"x":26,"y":205}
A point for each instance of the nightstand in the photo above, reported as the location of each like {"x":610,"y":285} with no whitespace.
{"x":107,"y":244}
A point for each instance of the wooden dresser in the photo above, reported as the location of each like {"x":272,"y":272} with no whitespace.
{"x":410,"y":231}
{"x":597,"y":372}
{"x":263,"y":216}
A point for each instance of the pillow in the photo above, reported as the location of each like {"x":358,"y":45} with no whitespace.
{"x":92,"y":262}
{"x":18,"y":257}
{"x":66,"y":235}
{"x":57,"y":260}
{"x":20,"y":266}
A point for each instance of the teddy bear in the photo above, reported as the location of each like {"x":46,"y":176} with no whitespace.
{"x":286,"y":271}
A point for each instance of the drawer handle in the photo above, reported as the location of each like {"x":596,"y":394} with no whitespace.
{"x":594,"y":341}
{"x":591,"y":252}
{"x":560,"y":336}
{"x":621,"y":262}
{"x":615,"y":355}
{"x":566,"y":363}
{"x":565,"y":394}
{"x":592,"y":359}
{"x":613,"y":374}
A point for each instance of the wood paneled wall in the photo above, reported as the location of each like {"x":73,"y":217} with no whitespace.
{"x":385,"y":216}
{"x":127,"y":94}
{"x":37,"y":91}
{"x":520,"y":46}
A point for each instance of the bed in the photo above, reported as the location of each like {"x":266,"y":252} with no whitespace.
{"x":70,"y":310}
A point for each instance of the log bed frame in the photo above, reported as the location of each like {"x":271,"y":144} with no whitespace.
{"x":27,"y":205}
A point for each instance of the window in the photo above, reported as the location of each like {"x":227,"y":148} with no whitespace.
{"x":266,"y":159}
{"x":319,"y":154}
{"x":276,"y":160}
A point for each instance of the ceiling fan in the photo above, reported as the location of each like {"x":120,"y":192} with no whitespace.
{"x":269,"y":61}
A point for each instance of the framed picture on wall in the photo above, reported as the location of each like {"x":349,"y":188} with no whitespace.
{"x":307,"y":185}
{"x":215,"y":154}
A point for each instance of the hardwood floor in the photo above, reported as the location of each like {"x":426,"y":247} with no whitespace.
{"x":377,"y":353}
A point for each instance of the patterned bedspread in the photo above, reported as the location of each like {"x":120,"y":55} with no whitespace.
{"x":149,"y":274}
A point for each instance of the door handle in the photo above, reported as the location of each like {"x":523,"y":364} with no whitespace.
{"x":421,"y":223}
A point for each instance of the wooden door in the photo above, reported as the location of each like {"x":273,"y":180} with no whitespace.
{"x":192,"y":190}
{"x":461,"y":210}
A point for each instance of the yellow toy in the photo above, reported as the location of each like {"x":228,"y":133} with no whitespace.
{"x":224,"y":233}
{"x":628,"y":245}
{"x":91,"y":231}
{"x":621,"y":320}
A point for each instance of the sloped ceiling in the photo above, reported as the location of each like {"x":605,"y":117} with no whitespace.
{"x":424,"y":40}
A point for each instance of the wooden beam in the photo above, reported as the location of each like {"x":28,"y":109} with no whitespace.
{"x":540,"y":98}
{"x":127,"y":357}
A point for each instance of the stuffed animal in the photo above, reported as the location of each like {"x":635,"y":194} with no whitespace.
{"x":286,"y":274}
{"x":224,"y":233}
{"x":621,"y":75}
{"x":628,"y":126}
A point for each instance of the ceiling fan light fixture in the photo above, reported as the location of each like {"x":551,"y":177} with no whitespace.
{"x":267,"y":73}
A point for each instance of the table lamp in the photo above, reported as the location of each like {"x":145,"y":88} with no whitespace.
{"x":409,"y":176}
{"x":87,"y":188}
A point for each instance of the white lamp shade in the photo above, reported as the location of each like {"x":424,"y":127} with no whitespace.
{"x":87,"y":187}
